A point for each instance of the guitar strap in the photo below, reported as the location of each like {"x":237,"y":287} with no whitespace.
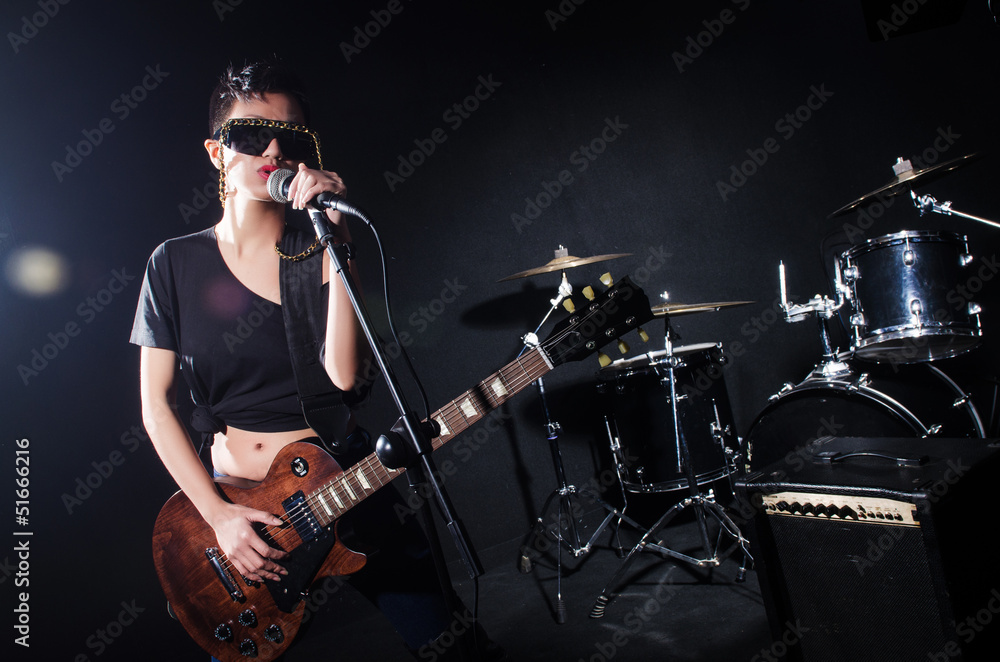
{"x":304,"y":310}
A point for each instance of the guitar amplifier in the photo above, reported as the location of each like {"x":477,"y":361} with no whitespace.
{"x":878,"y":549}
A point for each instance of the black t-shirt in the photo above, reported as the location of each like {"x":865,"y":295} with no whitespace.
{"x":231,"y":342}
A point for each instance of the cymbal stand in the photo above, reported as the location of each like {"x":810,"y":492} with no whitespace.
{"x":704,"y":506}
{"x":564,"y":494}
{"x":926,"y":203}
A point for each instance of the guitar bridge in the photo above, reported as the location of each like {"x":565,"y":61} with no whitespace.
{"x":214,"y":559}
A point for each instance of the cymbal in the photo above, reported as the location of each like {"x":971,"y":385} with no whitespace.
{"x":687,"y":308}
{"x":906,"y":177}
{"x":563,"y":261}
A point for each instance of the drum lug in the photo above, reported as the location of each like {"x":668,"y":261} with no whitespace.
{"x":859,"y":383}
{"x":965,"y":259}
{"x":974,"y":308}
{"x":960,"y":402}
{"x":851,"y":274}
{"x":933,"y":430}
{"x":786,"y":387}
{"x":916,"y":308}
{"x":909,"y":257}
{"x":858,"y":319}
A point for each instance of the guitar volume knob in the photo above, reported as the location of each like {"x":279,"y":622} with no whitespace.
{"x":248,"y":618}
{"x":274,"y":634}
{"x":223,"y":632}
{"x":248,"y":648}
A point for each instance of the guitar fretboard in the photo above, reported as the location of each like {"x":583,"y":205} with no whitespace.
{"x":350,"y":488}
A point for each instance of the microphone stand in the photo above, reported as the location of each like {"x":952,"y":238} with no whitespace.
{"x":408,"y":443}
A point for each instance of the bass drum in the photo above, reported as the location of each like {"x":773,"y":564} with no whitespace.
{"x":917,"y":400}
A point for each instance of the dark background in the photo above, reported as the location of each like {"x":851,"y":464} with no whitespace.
{"x":557,"y":83}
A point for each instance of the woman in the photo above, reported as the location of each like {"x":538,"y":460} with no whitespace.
{"x":199,"y":293}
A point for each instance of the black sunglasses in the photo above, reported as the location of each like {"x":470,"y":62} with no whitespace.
{"x":252,"y":136}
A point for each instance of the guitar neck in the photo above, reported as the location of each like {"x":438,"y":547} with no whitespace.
{"x":368,"y":476}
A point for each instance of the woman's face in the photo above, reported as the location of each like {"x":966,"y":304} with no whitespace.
{"x":246,"y":175}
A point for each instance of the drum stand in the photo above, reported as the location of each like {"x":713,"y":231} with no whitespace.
{"x":565,"y":495}
{"x":704,"y":506}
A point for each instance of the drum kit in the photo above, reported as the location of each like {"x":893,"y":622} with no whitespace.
{"x":669,"y":422}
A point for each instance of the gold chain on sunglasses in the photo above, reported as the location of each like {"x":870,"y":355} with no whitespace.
{"x":253,"y":121}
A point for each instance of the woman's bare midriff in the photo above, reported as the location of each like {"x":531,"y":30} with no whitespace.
{"x":246,"y":454}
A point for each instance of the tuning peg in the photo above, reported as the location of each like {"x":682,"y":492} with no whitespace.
{"x":588,"y":292}
{"x":607,"y":280}
{"x":569,"y":305}
{"x":603,"y":359}
{"x":623,"y":346}
{"x":643,"y":335}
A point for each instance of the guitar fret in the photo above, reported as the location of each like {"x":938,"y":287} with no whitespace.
{"x":499,"y":388}
{"x":347,"y":488}
{"x":326,"y":506}
{"x":336,"y":497}
{"x":468,"y":409}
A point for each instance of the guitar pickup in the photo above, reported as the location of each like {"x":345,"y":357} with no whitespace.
{"x":214,"y":559}
{"x":301,"y":516}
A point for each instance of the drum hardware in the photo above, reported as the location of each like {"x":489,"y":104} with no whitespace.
{"x":704,"y":504}
{"x":905,"y":178}
{"x":676,"y":309}
{"x":564,"y":494}
{"x":926,"y":203}
{"x":915,"y":400}
{"x":824,"y":309}
{"x":900,"y":288}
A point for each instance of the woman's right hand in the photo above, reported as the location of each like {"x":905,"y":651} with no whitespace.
{"x":250,"y":555}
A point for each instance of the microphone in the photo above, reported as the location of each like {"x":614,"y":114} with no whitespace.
{"x":279,"y":181}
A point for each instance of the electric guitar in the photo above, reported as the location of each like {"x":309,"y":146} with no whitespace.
{"x":234,"y":618}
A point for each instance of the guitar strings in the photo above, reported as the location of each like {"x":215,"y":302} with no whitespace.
{"x":451,"y":413}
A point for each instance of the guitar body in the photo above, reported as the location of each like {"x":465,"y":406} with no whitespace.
{"x":229,"y":617}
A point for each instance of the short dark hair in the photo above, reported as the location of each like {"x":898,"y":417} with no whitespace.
{"x":250,"y":83}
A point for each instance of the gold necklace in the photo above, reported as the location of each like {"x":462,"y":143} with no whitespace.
{"x":307,"y":253}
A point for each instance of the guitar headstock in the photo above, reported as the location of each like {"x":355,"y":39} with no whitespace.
{"x":608,"y":316}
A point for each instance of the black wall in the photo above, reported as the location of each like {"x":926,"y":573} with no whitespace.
{"x":670,"y":103}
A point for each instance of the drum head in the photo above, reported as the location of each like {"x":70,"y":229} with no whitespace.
{"x":912,"y":401}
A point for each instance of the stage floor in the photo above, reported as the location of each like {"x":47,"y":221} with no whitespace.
{"x":663,"y":609}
